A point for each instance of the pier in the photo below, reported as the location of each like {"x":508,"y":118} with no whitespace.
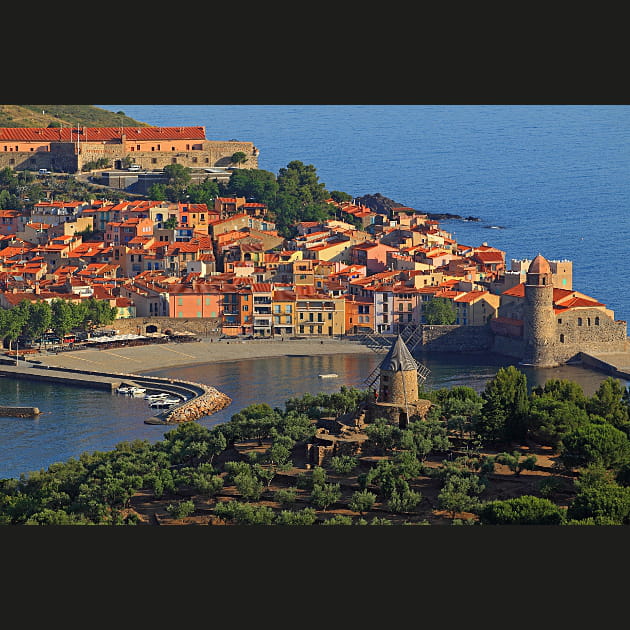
{"x":615,"y":364}
{"x":199,"y":399}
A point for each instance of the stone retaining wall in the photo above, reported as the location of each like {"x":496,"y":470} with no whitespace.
{"x":455,"y":338}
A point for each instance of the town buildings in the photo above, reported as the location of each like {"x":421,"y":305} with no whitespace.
{"x":226,"y":269}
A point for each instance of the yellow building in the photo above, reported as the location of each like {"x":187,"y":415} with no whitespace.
{"x":476,"y":308}
{"x":319,"y":314}
{"x":283,"y":311}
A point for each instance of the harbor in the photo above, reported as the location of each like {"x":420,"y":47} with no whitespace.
{"x":194,"y":400}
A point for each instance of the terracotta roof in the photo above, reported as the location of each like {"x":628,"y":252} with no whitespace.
{"x":471,"y":296}
{"x":539,"y":265}
{"x":100,"y":134}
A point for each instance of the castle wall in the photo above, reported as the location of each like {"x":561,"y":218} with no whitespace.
{"x":588,"y":330}
{"x":508,"y":346}
{"x":442,"y":338}
{"x":63,"y":157}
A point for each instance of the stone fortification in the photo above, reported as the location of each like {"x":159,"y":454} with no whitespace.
{"x":66,"y":150}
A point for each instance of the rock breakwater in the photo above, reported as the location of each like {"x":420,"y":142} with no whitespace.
{"x":211,"y":401}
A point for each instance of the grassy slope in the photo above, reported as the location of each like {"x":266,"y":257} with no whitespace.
{"x":66,"y":115}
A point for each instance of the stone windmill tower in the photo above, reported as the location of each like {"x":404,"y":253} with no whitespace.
{"x":539,"y":319}
{"x":398,"y":375}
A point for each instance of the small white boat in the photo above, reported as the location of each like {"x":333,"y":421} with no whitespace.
{"x":136,"y":391}
{"x":328,"y":375}
{"x":165,"y":402}
{"x":160,"y":396}
{"x":124,"y":390}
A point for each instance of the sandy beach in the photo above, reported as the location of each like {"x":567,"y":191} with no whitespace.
{"x":139,"y":359}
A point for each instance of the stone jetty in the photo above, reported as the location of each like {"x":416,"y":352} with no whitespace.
{"x":201,"y":400}
{"x":211,"y":401}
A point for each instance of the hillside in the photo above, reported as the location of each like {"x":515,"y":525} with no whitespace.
{"x":65,"y":115}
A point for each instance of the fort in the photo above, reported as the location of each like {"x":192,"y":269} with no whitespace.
{"x":68,"y":150}
{"x":545,"y":326}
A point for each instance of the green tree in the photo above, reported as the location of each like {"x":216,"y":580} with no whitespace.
{"x":439,"y":311}
{"x":249,"y":487}
{"x":181,"y":509}
{"x":254,"y":184}
{"x":362,"y":501}
{"x":170,"y":223}
{"x":339,"y":196}
{"x":323,"y":495}
{"x":239,"y":157}
{"x":517,"y":462}
{"x":608,"y":403}
{"x":244,"y":513}
{"x":306,"y":516}
{"x":595,"y":444}
{"x":62,"y":317}
{"x":550,"y":418}
{"x":157,"y":192}
{"x":403,"y":501}
{"x":523,"y":510}
{"x":459,"y":494}
{"x":338,"y":519}
{"x":206,"y":192}
{"x":608,"y":501}
{"x":286,"y":497}
{"x":504,"y":411}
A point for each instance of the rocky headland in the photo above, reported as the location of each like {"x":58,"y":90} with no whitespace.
{"x":383,"y":205}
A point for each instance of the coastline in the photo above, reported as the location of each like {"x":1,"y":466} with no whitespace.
{"x":150,"y":358}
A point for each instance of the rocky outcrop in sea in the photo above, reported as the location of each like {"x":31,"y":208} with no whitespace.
{"x":383,"y":205}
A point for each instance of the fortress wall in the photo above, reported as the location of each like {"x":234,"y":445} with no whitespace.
{"x":508,"y":346}
{"x":443,"y":338}
{"x":62,"y":156}
{"x":201,"y":326}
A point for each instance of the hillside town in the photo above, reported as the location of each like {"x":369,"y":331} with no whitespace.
{"x":226,"y":264}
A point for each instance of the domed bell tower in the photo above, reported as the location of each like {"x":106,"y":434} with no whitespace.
{"x":539,"y":322}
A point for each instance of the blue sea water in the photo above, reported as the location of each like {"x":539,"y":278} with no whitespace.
{"x":549,"y":179}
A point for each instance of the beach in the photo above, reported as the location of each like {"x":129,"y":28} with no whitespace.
{"x":147,"y":358}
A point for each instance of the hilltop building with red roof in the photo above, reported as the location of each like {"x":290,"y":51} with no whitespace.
{"x":68,"y":149}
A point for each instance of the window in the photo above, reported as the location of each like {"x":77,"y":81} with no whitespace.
{"x":561,"y":338}
{"x":180,"y":301}
{"x":198,"y":313}
{"x":559,"y":320}
{"x":579,"y":321}
{"x":597,"y":321}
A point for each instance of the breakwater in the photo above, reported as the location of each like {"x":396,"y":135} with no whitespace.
{"x":199,"y":400}
{"x":19,"y":412}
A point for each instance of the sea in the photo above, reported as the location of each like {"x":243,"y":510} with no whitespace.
{"x":548,"y":179}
